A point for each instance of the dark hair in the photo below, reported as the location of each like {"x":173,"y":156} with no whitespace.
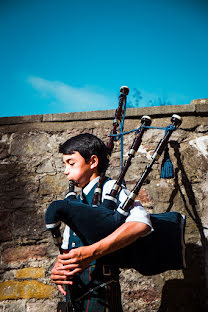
{"x":87,"y":145}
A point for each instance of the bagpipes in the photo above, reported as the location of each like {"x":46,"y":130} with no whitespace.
{"x":161,"y":250}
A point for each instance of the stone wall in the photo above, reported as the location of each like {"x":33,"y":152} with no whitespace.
{"x":31,"y":176}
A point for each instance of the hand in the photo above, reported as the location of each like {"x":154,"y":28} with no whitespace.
{"x":76,"y":260}
{"x":59,"y":275}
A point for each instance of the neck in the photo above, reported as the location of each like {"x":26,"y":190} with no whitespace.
{"x":94,"y":176}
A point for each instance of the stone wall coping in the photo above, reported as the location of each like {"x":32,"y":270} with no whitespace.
{"x":155,"y":111}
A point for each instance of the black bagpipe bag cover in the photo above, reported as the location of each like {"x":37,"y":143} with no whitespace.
{"x":160,"y":251}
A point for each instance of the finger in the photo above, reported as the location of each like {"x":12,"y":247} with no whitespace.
{"x":69,"y":261}
{"x":66,"y":255}
{"x":75,"y":271}
{"x":68,"y":267}
{"x":58,"y":276}
{"x":63,"y":271}
{"x":68,"y":282}
{"x":60,"y":288}
{"x":58,"y":270}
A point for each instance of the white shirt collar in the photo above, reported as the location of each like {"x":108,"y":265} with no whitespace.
{"x":90,"y":185}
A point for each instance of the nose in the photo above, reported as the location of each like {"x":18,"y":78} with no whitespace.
{"x":66,"y":171}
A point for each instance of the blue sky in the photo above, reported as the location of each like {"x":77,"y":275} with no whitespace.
{"x":65,"y":56}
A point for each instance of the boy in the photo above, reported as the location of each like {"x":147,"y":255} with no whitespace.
{"x":94,"y":286}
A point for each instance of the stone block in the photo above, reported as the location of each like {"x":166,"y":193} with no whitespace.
{"x":138,"y":293}
{"x":43,"y":306}
{"x":194,"y":163}
{"x":108,"y":114}
{"x":199,"y":101}
{"x":202,"y":128}
{"x":21,"y":222}
{"x":20,"y":119}
{"x":202,"y":109}
{"x":53,"y":184}
{"x":31,"y":272}
{"x":144,"y":198}
{"x":4,"y":150}
{"x":5,"y":225}
{"x":24,"y":253}
{"x":30,"y":144}
{"x":14,"y":307}
{"x":25,"y":290}
{"x":160,"y":111}
{"x":6,"y":275}
{"x":45,"y":167}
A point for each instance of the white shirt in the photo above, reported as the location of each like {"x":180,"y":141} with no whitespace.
{"x":137,"y":212}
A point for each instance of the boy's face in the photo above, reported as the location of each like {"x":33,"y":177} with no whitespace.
{"x":76,"y":169}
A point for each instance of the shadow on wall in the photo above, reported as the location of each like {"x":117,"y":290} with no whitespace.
{"x":20,"y":219}
{"x":190,"y":293}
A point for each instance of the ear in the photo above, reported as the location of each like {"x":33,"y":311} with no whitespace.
{"x":94,"y":161}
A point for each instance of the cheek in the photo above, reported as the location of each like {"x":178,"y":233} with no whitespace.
{"x":76,"y":172}
{"x":81,"y":173}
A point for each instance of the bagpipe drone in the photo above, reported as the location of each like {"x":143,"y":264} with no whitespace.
{"x":161,"y":250}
